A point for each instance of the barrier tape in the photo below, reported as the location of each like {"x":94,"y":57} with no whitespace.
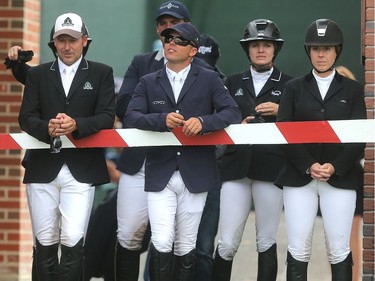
{"x":341,"y":131}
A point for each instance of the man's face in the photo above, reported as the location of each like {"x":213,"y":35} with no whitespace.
{"x":176,"y":53}
{"x":165,"y":22}
{"x":69,"y":49}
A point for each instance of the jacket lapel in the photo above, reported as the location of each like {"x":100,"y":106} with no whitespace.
{"x":166,"y":85}
{"x":248,"y":82}
{"x":190,"y":79}
{"x":55,"y":78}
{"x":312,"y":87}
{"x":274,"y":78}
{"x":79,"y":77}
{"x":335,"y":87}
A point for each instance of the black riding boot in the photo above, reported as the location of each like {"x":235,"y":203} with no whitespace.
{"x":127,"y":264}
{"x":46,"y":262}
{"x":342,"y":271}
{"x":34,"y":274}
{"x":71,"y":262}
{"x":183,"y":268}
{"x":160,"y":265}
{"x":222,"y":269}
{"x":267,"y":264}
{"x":296,"y":270}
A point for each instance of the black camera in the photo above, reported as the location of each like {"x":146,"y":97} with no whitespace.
{"x":25,"y":55}
{"x":257,"y":118}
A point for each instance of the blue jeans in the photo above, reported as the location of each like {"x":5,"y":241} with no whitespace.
{"x":207,"y":231}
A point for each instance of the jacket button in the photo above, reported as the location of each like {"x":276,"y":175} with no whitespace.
{"x":178,"y":153}
{"x":322,"y":110}
{"x":177,"y":111}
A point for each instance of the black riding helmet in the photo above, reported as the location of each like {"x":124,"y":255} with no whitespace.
{"x":261,"y":29}
{"x":324,"y":32}
{"x":85,"y":31}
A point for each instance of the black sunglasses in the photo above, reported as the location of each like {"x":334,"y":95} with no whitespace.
{"x":177,"y":40}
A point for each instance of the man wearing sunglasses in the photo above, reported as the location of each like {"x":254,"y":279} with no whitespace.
{"x":132,"y":215}
{"x":177,"y":178}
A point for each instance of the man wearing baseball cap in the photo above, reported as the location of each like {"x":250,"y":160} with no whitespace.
{"x":175,"y":9}
{"x":132,"y":213}
{"x":177,"y":179}
{"x":68,"y":96}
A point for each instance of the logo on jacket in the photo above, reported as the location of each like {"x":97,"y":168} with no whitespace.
{"x":87,"y":86}
{"x":239,"y":92}
{"x":276,"y":93}
{"x":158,"y":102}
{"x":343,"y":101}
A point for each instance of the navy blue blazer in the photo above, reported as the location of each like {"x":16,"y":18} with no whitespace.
{"x":203,"y":95}
{"x":301,"y":101}
{"x":132,"y":158}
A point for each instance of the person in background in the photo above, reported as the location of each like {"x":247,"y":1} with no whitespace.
{"x":209,"y":51}
{"x":69,"y":95}
{"x":132,"y":210}
{"x":248,"y":172}
{"x":177,"y":179}
{"x":325,"y":175}
{"x":355,"y":236}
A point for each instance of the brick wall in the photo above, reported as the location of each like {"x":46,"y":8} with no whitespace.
{"x":19,"y":25}
{"x":369,"y":194}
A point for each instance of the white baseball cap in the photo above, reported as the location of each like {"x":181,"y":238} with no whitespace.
{"x":70,"y":24}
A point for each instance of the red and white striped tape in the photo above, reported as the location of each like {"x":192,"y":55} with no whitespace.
{"x":342,"y":131}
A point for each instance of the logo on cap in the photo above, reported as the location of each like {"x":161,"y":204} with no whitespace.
{"x":204,"y":49}
{"x":169,"y":6}
{"x":68,"y":22}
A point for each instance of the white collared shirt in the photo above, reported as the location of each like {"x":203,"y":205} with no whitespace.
{"x":177,"y":80}
{"x":324,"y":82}
{"x":260,"y":79}
{"x":67,"y":73}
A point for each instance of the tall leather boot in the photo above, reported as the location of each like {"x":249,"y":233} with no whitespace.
{"x":127,"y":264}
{"x":183,"y":268}
{"x":160,"y":265}
{"x":296,"y":270}
{"x":342,"y":271}
{"x":267,"y":264}
{"x":222,"y":269}
{"x":34,"y":274}
{"x":46,"y":262}
{"x":71,"y":262}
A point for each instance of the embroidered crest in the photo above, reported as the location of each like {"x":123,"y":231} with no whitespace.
{"x":158,"y":102}
{"x":239,"y":92}
{"x":87,"y":86}
{"x":68,"y":22}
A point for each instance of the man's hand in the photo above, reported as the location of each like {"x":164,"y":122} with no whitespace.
{"x":174,"y":120}
{"x":61,"y":125}
{"x":13,"y":52}
{"x":193,"y":126}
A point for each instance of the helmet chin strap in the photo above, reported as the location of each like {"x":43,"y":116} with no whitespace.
{"x":262,"y":68}
{"x":325,"y":71}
